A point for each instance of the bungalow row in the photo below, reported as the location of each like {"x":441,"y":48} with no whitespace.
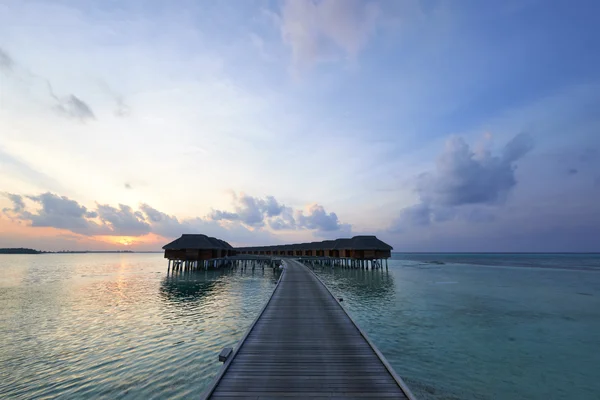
{"x":358,"y":247}
{"x":201,"y":247}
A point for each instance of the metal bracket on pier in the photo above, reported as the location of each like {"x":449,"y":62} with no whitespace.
{"x":225,"y":353}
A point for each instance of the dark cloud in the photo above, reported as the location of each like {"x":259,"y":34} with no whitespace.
{"x":416,"y":215}
{"x":464,"y":179}
{"x":60,"y":205}
{"x":123,"y":220}
{"x":17,"y":201}
{"x":51,"y":210}
{"x":423,"y":214}
{"x":539,"y":227}
{"x":6,"y":62}
{"x":57,"y":212}
{"x":60,"y":212}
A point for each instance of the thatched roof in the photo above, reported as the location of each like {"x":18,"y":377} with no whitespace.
{"x":369,"y":243}
{"x":327,"y":244}
{"x":197,"y":241}
{"x":341,"y":244}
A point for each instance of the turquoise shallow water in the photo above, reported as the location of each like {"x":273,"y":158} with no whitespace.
{"x":467,"y":329}
{"x":453,"y":326}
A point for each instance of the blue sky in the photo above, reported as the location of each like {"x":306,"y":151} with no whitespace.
{"x":436,"y":125}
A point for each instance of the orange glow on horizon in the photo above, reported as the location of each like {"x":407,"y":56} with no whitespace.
{"x":21,"y":234}
{"x":133,"y":241}
{"x":120,"y":240}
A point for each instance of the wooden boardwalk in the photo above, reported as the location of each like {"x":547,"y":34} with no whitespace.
{"x":304,"y":345}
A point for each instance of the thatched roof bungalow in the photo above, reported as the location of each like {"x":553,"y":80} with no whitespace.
{"x":193,"y":247}
{"x":369,"y":247}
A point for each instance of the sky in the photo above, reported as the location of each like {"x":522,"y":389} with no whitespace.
{"x":436,"y":125}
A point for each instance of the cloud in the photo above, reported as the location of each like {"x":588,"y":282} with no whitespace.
{"x":162,"y":224}
{"x":60,"y":212}
{"x":256,"y":212}
{"x":464,"y":184}
{"x":72,"y":106}
{"x":57,"y":212}
{"x":318,"y":30}
{"x":250,"y":210}
{"x":17,"y":201}
{"x":244,"y":225}
{"x":462,"y":177}
{"x":124,"y":220}
{"x":317,"y":218}
{"x":170,"y":226}
{"x":416,"y":215}
{"x":284,"y":221}
{"x":128,"y":185}
{"x":6,"y":62}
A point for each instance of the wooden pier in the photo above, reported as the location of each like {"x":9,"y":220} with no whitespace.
{"x":304,"y":345}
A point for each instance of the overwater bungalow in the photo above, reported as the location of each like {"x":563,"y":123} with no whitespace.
{"x":195,"y":247}
{"x":369,"y":247}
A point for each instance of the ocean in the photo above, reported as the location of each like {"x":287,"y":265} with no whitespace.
{"x":454,"y":326}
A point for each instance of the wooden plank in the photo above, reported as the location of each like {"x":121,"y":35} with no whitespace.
{"x":305,"y":345}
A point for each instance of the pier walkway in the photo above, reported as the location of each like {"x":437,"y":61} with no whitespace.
{"x":304,"y":345}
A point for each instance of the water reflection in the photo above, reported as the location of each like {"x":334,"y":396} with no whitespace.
{"x":113,"y":326}
{"x":359,"y":283}
{"x":191,"y":285}
{"x":181,"y":286}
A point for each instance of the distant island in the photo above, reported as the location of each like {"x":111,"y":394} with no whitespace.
{"x":19,"y":250}
{"x":22,"y":250}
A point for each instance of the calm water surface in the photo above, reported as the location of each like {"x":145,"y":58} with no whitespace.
{"x":469,"y":329}
{"x":454,"y":326}
{"x":115,"y":326}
